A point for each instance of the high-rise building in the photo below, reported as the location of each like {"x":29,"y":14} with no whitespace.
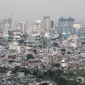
{"x":70,"y":22}
{"x":34,"y":27}
{"x":5,"y":26}
{"x":65,"y":25}
{"x":61,"y":25}
{"x":30,"y":29}
{"x":47,"y":24}
{"x":23,"y":27}
{"x":52,"y":24}
{"x":16,"y":26}
{"x":37,"y":28}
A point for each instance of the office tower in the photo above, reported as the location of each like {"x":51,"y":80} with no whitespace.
{"x":30,"y":28}
{"x":10,"y":22}
{"x":23,"y":27}
{"x":16,"y":26}
{"x":61,"y":25}
{"x":7,"y":23}
{"x":70,"y":22}
{"x":47,"y":24}
{"x":37,"y":28}
{"x":65,"y":25}
{"x":5,"y":26}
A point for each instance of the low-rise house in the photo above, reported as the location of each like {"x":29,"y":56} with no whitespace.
{"x":34,"y":64}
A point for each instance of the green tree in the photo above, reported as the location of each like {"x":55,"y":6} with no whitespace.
{"x":29,"y":56}
{"x":38,"y":73}
{"x":62,"y":81}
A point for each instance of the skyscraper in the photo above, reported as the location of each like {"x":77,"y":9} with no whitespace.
{"x":23,"y":27}
{"x":6,"y":25}
{"x":65,"y":25}
{"x":37,"y":28}
{"x":70,"y":22}
{"x":47,"y":24}
{"x":61,"y":25}
{"x":52,"y":24}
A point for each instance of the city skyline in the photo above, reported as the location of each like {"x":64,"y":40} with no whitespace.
{"x":32,"y":10}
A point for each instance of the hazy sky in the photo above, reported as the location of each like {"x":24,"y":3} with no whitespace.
{"x":36,"y":9}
